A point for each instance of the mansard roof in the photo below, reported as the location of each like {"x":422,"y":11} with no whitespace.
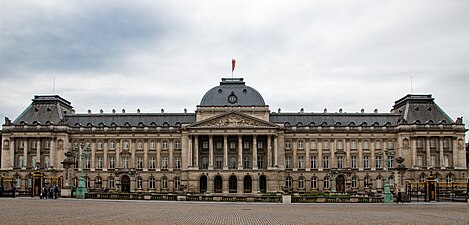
{"x":335,"y":119}
{"x":131,"y":119}
{"x":420,"y":109}
{"x":243,"y":95}
{"x":45,"y":109}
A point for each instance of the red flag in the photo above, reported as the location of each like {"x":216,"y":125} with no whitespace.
{"x":233,"y":64}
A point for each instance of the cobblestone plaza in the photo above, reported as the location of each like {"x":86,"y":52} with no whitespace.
{"x":71,"y":211}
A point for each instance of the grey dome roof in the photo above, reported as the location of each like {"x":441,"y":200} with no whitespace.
{"x":232,"y":92}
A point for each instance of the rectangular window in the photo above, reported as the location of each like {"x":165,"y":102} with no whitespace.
{"x":126,"y":145}
{"x":139,"y":162}
{"x":340,"y":162}
{"x":34,"y":144}
{"x":287,"y":144}
{"x":314,"y":183}
{"x":378,"y":145}
{"x":366,"y":164}
{"x":232,"y":162}
{"x":390,"y":145}
{"x":112,"y":162}
{"x":260,"y":145}
{"x":100,"y":163}
{"x":152,"y":144}
{"x":204,"y":144}
{"x":33,"y":162}
{"x":314,"y":145}
{"x":177,"y":144}
{"x":87,"y":162}
{"x":314,"y":164}
{"x":325,"y":162}
{"x":46,"y":144}
{"x":177,"y":162}
{"x":366,"y":145}
{"x":287,"y":162}
{"x":432,"y":161}
{"x":232,"y":145}
{"x":260,"y":162}
{"x":21,"y":161}
{"x":246,"y":145}
{"x":219,"y":145}
{"x":246,"y":162}
{"x":445,"y":143}
{"x":126,"y":162}
{"x":164,"y":144}
{"x":21,"y":144}
{"x":378,"y":162}
{"x":99,"y":145}
{"x":325,"y":144}
{"x":112,"y":145}
{"x":419,"y":161}
{"x":301,"y":162}
{"x":391,"y":161}
{"x":204,"y":162}
{"x":446,"y":161}
{"x":140,"y":145}
{"x":340,"y":145}
{"x":300,"y":144}
{"x":354,"y":162}
{"x":219,"y":162}
{"x":432,"y":143}
{"x":164,"y":162}
{"x":353,"y":145}
{"x":419,"y":143}
{"x":152,"y":163}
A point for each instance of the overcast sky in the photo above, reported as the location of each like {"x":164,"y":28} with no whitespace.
{"x":150,"y":55}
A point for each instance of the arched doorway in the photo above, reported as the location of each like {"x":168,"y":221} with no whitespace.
{"x":125,"y":183}
{"x":247,"y":184}
{"x":218,"y":184}
{"x":203,"y":184}
{"x":263,"y":183}
{"x":233,"y":184}
{"x":340,"y":183}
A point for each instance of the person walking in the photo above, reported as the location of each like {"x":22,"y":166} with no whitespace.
{"x":399,"y":198}
{"x":51,"y":192}
{"x":56,"y":192}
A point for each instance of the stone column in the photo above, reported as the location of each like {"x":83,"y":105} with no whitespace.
{"x":427,"y":151}
{"x":276,"y":150}
{"x":190,"y":159}
{"x":38,"y":151}
{"x":225,"y":152}
{"x":25,"y":154}
{"x":52,"y":154}
{"x":320,"y":164}
{"x":269,"y":152}
{"x":307,"y":154}
{"x":145,"y":155}
{"x":93,"y":155}
{"x":12,"y":153}
{"x":348,"y":163}
{"x":171,"y":155}
{"x":332,"y":146}
{"x":196,"y":152}
{"x":294,"y":143}
{"x":117,"y":150}
{"x":158,"y":155}
{"x":442,"y":155}
{"x":372,"y":155}
{"x":210,"y":152}
{"x":105,"y":156}
{"x":240,"y":152}
{"x":454,"y":147}
{"x":360,"y":155}
{"x":254,"y":152}
{"x":414,"y":152}
{"x":132,"y":143}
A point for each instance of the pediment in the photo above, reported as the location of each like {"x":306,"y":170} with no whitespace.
{"x":233,"y":120}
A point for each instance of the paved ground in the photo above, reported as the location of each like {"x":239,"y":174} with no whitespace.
{"x":71,"y":211}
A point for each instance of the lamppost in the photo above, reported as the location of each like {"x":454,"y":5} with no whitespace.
{"x":333,"y":174}
{"x":82,"y":189}
{"x":258,"y":182}
{"x":133,"y":173}
{"x":387,"y":190}
{"x":206,"y":189}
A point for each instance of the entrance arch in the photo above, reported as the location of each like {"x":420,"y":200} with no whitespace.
{"x":233,"y":184}
{"x":340,"y":183}
{"x":263,"y":183}
{"x":218,"y":184}
{"x":247,"y":184}
{"x":203,"y":184}
{"x":125,"y":183}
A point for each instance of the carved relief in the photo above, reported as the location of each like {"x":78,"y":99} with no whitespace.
{"x":406,"y":143}
{"x":233,"y":121}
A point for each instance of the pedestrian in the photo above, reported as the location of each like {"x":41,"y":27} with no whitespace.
{"x":51,"y":192}
{"x":56,"y":191}
{"x":13,"y":191}
{"x":399,"y":198}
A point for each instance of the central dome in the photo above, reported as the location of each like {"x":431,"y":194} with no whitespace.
{"x":232,"y":92}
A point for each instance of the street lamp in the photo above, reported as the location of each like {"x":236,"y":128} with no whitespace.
{"x":258,"y":183}
{"x":387,"y":190}
{"x":206,"y":189}
{"x":82,"y":189}
{"x":333,"y":174}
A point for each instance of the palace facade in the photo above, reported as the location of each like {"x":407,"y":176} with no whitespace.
{"x":233,"y":144}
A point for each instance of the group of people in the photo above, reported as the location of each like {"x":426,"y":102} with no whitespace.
{"x":52,"y":192}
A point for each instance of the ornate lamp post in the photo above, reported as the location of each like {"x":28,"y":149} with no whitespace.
{"x":133,"y":173}
{"x":206,"y":189}
{"x":387,"y":189}
{"x":258,"y":182}
{"x":82,"y":189}
{"x":333,"y":174}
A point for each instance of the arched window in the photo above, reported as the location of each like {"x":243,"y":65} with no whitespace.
{"x":326,"y":183}
{"x":391,"y":181}
{"x":449,"y":178}
{"x":367,"y":181}
{"x":111,"y":183}
{"x":233,"y":184}
{"x":151,"y":182}
{"x":177,"y":183}
{"x":87,"y":182}
{"x":218,"y":184}
{"x":422,"y":177}
{"x":164,"y":183}
{"x":139,"y":182}
{"x":247,"y":184}
{"x":98,"y":182}
{"x":301,"y":183}
{"x":379,"y":182}
{"x":314,"y":183}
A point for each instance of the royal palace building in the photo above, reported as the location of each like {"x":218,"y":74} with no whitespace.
{"x":233,"y":144}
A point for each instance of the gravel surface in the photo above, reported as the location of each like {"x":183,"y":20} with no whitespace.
{"x":72,"y":211}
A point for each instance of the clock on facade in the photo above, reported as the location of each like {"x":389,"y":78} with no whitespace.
{"x":232,"y":98}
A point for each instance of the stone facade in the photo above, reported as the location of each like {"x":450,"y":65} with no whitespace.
{"x":235,"y":141}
